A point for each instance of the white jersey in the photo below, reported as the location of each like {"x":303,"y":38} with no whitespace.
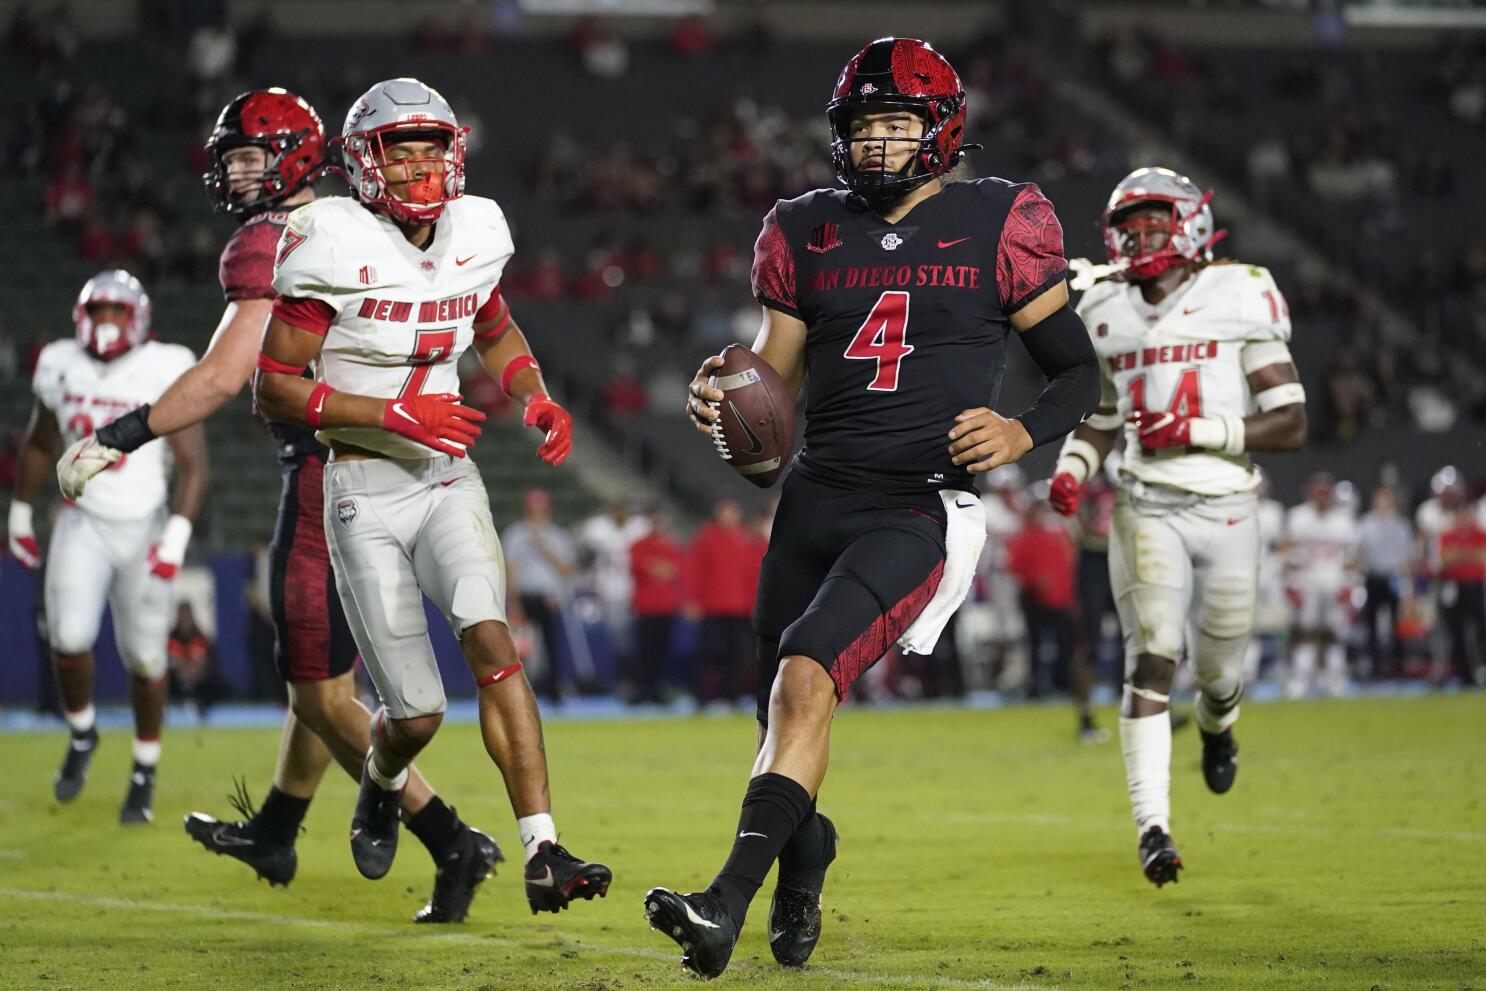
{"x":1187,"y":355}
{"x":609,"y":542}
{"x":85,"y":393}
{"x":1322,"y":544}
{"x":404,"y":316}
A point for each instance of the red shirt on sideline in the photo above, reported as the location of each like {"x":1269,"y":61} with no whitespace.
{"x":723,"y":570}
{"x":656,"y":565}
{"x":1041,"y":559}
{"x":1469,"y":543}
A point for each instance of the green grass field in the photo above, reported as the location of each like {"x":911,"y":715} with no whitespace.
{"x":980,"y":850}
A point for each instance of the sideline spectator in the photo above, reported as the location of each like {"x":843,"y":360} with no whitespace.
{"x":195,"y":677}
{"x":656,"y":565}
{"x":1463,"y":597}
{"x":1041,"y":558}
{"x":1385,"y":554}
{"x":540,"y":559}
{"x":722,"y":581}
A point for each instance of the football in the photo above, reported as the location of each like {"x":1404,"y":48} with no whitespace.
{"x":756,"y":431}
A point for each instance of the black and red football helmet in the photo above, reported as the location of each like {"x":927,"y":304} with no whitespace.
{"x":906,"y":73}
{"x":289,"y":131}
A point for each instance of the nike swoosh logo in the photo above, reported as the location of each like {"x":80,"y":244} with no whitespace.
{"x":697,"y":919}
{"x":951,"y":244}
{"x":461,"y":261}
{"x":775,"y":936}
{"x":1235,"y":521}
{"x":548,"y":881}
{"x":223,"y":838}
{"x":81,"y":746}
{"x":450,"y":481}
{"x":319,"y":406}
{"x":743,"y":835}
{"x":397,"y":408}
{"x":755,"y":445}
{"x":963,"y":505}
{"x":1191,"y":310}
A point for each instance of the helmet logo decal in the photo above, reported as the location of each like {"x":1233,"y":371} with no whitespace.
{"x":867,"y":89}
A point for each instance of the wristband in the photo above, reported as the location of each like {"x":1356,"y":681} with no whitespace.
{"x":19,"y":523}
{"x":518,"y":363}
{"x":315,"y":407}
{"x":171,"y":547}
{"x":129,"y":432}
{"x":1280,"y":395}
{"x":1223,"y":434}
{"x":1078,"y":458}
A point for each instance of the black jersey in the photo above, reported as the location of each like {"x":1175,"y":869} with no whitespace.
{"x":245,"y":270}
{"x":907,"y":322}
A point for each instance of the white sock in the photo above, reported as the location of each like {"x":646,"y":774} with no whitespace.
{"x":395,"y":782}
{"x":536,"y":830}
{"x":83,"y":719}
{"x":146,"y":752}
{"x":1336,"y":661}
{"x":1302,"y":667}
{"x":1146,"y":743}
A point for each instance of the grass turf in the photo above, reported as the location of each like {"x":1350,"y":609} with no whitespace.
{"x":980,"y":850}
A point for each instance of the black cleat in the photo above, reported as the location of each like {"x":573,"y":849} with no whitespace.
{"x":460,"y":872}
{"x":140,"y":797}
{"x":1219,"y":760}
{"x":555,"y":877}
{"x":374,"y":827}
{"x":273,"y":862}
{"x":1158,"y":857}
{"x":80,"y":750}
{"x":699,"y":924}
{"x":794,"y":914}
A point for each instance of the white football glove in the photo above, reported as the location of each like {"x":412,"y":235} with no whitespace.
{"x":1084,"y":274}
{"x":82,"y":461}
{"x":22,"y":537}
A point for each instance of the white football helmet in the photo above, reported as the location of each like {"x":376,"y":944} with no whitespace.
{"x":1189,"y":233}
{"x":400,"y":110}
{"x":104,"y":339}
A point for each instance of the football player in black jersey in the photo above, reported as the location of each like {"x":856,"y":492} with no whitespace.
{"x":890,"y":302}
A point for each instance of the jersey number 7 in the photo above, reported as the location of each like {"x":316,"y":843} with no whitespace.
{"x":429,"y":348}
{"x":881,"y":339}
{"x":1186,"y":400}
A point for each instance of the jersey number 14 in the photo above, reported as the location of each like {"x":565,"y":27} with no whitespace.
{"x":1186,"y":400}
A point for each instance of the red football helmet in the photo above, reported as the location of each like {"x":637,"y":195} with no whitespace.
{"x":907,"y":73}
{"x":1146,"y":247}
{"x":286,"y":128}
{"x":108,"y":340}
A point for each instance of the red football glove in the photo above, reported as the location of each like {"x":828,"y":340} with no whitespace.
{"x":1162,"y":430}
{"x":159,"y":568}
{"x":544,"y":414}
{"x":437,"y":421}
{"x":1063,"y":493}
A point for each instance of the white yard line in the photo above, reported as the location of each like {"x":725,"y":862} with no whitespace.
{"x":544,"y":943}
{"x":12,"y":854}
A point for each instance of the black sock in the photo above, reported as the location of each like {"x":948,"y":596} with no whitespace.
{"x":800,"y":862}
{"x":436,"y":826}
{"x":279,"y":817}
{"x":773,"y":807}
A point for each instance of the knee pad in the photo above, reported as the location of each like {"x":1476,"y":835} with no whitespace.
{"x":148,"y":665}
{"x":474,"y":602}
{"x":68,"y":637}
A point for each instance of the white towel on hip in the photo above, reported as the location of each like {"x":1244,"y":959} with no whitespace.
{"x":964,"y":536}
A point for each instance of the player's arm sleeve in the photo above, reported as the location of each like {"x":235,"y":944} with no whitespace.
{"x":1060,"y":346}
{"x":245,"y":269}
{"x":304,"y":263}
{"x":773,"y":273}
{"x":1029,"y":257}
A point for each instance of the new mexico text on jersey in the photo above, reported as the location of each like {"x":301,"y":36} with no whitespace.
{"x":85,"y":393}
{"x":403,"y":316}
{"x":1190,"y":355}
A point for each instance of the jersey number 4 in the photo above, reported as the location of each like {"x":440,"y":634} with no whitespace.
{"x":1185,"y":401}
{"x":429,"y":348}
{"x":881,"y":339}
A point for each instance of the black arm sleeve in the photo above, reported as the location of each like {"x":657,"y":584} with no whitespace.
{"x":132,"y":431}
{"x":1060,"y":345}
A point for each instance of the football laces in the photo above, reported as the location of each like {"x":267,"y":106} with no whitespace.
{"x":718,"y":440}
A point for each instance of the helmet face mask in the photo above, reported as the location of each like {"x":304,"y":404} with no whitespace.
{"x":1157,"y":219}
{"x":112,"y":314}
{"x":389,"y":164}
{"x":897,"y":74}
{"x":292,"y":139}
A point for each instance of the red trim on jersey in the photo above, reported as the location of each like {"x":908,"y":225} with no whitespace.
{"x":875,"y":640}
{"x":267,"y":364}
{"x":312,"y":315}
{"x":491,"y":308}
{"x":314,"y":407}
{"x":518,"y":364}
{"x":1029,"y":257}
{"x":498,"y":676}
{"x":773,"y":274}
